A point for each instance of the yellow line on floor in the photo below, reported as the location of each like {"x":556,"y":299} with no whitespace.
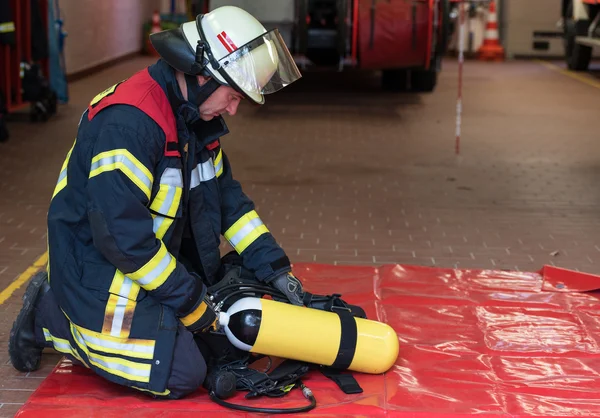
{"x":23,"y":277}
{"x":584,"y":78}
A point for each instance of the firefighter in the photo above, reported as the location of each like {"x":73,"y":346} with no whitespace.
{"x":142,"y":199}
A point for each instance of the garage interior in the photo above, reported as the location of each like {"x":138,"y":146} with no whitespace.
{"x":348,"y":175}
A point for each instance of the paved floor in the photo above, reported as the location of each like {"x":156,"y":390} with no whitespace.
{"x":343,"y":173}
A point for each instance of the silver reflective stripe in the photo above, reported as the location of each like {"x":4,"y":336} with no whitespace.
{"x":172,"y":177}
{"x":219,"y":166}
{"x":166,"y":205}
{"x":203,"y":172}
{"x":120,"y":367}
{"x":62,"y":175}
{"x":110,"y":365}
{"x":106,"y":344}
{"x":158,"y":221}
{"x":7,"y":27}
{"x":157,"y":271}
{"x":126,"y":287}
{"x":60,"y":344}
{"x":242,"y":233}
{"x":119,"y":314}
{"x":124,"y":160}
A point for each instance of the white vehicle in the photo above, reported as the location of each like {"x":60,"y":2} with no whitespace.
{"x":581,"y":31}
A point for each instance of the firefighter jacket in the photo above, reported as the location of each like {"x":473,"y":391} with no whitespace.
{"x":145,"y":182}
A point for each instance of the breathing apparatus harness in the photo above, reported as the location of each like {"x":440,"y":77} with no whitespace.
{"x":229,"y":369}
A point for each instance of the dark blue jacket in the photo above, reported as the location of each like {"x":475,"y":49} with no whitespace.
{"x":142,"y":199}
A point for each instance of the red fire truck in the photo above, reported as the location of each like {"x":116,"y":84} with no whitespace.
{"x":405,"y":39}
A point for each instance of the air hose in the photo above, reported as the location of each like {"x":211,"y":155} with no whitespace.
{"x":305,"y":391}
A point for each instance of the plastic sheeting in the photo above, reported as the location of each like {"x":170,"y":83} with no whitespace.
{"x":490,"y":343}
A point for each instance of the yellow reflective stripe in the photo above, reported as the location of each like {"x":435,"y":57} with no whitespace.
{"x":47,"y":335}
{"x":61,"y":345}
{"x":62,"y":177}
{"x":109,"y":314}
{"x":121,"y":159}
{"x":134,"y":371}
{"x":117,"y":283}
{"x":131,"y":347}
{"x":161,"y":225}
{"x":104,"y":93}
{"x":250,"y":238}
{"x":7,"y":27}
{"x":194,"y":316}
{"x":156,"y":271}
{"x":245,"y":231}
{"x":165,"y":393}
{"x":219,"y":163}
{"x":166,"y":202}
{"x":120,"y":307}
{"x":240,"y":223}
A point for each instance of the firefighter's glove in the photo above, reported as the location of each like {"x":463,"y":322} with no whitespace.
{"x":291,"y":287}
{"x":201,"y":318}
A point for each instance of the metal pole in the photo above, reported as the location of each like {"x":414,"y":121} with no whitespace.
{"x":461,"y":58}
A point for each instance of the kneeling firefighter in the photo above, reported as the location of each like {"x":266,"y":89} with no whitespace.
{"x":135,"y":279}
{"x":142,"y":199}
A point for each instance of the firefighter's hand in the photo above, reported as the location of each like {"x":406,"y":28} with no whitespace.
{"x":202,"y":318}
{"x":291,"y":287}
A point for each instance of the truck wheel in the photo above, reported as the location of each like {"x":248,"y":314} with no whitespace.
{"x":3,"y":130}
{"x":578,"y":56}
{"x":394,"y":80}
{"x":424,"y":81}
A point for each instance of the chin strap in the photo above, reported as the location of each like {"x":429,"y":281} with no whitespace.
{"x":198,"y":94}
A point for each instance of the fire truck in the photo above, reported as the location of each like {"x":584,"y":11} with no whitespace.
{"x":581,"y":29}
{"x":404,"y":39}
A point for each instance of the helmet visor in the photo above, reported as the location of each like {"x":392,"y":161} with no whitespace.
{"x":262,"y":66}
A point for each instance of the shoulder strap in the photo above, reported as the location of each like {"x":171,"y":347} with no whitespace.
{"x":143,"y":92}
{"x":346,"y":382}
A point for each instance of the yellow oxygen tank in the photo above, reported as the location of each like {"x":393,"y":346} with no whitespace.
{"x":340,"y":340}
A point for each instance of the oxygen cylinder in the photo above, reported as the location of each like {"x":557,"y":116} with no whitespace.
{"x":340,"y":340}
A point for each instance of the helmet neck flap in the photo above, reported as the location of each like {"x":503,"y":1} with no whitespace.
{"x":196,"y":93}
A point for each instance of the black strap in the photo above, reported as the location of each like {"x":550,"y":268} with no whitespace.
{"x":289,"y":369}
{"x":346,"y":382}
{"x":348,"y":339}
{"x":307,"y":299}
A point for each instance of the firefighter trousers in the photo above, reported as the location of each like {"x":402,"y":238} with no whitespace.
{"x":188,"y":369}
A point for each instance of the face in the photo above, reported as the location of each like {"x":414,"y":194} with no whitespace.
{"x":224,"y":99}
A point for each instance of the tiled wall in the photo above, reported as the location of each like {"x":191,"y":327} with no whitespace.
{"x":101,"y":31}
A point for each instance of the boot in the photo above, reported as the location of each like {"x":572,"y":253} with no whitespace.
{"x":25,"y":352}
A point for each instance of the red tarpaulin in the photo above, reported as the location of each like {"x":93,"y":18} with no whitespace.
{"x":489,"y":343}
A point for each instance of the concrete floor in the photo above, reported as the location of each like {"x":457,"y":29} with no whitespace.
{"x":343,"y":173}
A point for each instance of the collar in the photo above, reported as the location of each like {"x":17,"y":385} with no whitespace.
{"x":206,"y":131}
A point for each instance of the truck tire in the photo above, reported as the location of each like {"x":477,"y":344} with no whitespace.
{"x":394,"y":80}
{"x":578,"y":56}
{"x":3,"y":130}
{"x":424,"y":81}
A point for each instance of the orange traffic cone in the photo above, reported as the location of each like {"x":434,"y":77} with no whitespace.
{"x":155,"y":22}
{"x":155,"y":28}
{"x":491,"y":50}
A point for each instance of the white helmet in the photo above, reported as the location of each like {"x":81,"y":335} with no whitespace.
{"x":234,"y":48}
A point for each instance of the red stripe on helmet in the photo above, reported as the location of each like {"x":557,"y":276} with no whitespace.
{"x":226,"y":41}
